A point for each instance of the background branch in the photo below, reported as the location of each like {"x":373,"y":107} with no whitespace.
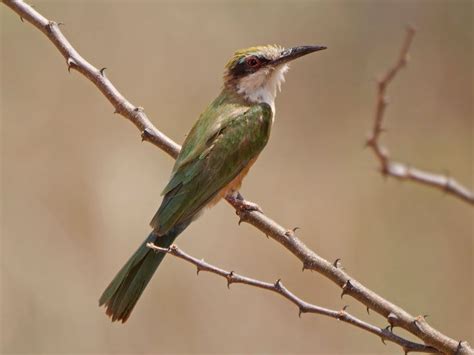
{"x":395,"y":315}
{"x":395,"y":169}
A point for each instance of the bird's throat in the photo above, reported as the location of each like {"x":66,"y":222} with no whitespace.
{"x":262,"y":86}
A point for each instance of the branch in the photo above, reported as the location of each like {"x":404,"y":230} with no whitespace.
{"x":395,"y":315}
{"x":395,"y":169}
{"x":303,"y":306}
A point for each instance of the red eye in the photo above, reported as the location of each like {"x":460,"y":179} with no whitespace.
{"x":252,"y":62}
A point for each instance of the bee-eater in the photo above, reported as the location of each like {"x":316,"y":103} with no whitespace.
{"x":216,"y":155}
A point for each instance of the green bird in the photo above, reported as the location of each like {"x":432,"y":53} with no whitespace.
{"x":216,"y":155}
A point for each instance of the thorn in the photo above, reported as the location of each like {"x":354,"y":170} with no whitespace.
{"x":415,"y":322}
{"x":61,"y":24}
{"x":426,"y":316}
{"x":278,"y":284}
{"x":383,"y":341}
{"x":229,"y":279}
{"x":291,"y":232}
{"x":146,"y":134}
{"x":418,"y":320}
{"x":50,"y":25}
{"x":102,"y":71}
{"x":138,"y":109}
{"x":70,"y":63}
{"x":21,"y":18}
{"x":336,"y":263}
{"x":346,"y":287}
{"x":198,"y":270}
{"x":243,"y":216}
{"x":342,"y":313}
{"x":368,"y":310}
{"x":389,"y":328}
{"x":392,"y":320}
{"x":459,"y":347}
{"x":300,"y":311}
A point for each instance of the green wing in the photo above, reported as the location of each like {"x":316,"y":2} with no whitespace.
{"x":219,"y":113}
{"x":204,"y":168}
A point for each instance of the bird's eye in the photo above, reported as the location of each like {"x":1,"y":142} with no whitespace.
{"x":252,"y":62}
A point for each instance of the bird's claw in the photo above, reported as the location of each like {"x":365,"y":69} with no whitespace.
{"x":248,"y":206}
{"x":243,"y":205}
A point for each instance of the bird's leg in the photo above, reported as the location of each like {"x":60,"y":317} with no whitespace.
{"x":238,"y":201}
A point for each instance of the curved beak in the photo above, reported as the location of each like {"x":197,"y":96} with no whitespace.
{"x":295,"y":52}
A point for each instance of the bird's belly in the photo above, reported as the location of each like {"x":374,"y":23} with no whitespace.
{"x":234,"y":185}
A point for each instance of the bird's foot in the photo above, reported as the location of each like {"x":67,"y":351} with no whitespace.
{"x":248,"y":206}
{"x":238,"y":201}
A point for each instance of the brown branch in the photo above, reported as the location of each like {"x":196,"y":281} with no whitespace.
{"x":395,"y":315}
{"x":303,"y":306}
{"x":388,"y":167}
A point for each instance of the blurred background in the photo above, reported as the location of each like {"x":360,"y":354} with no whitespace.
{"x":79,"y":189}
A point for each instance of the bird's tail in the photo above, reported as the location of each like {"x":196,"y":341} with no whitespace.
{"x":122,"y":294}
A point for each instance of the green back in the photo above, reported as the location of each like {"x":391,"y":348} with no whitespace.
{"x":227,"y":136}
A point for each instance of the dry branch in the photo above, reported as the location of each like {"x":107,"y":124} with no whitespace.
{"x":395,"y":169}
{"x":303,"y":306}
{"x":396,"y":316}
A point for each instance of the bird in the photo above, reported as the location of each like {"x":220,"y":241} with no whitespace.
{"x":216,"y":155}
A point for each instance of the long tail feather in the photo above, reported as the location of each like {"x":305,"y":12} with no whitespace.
{"x":123,"y":293}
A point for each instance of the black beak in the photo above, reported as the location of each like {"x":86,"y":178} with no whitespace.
{"x":295,"y":52}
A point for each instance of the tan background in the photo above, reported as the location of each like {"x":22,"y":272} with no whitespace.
{"x":78,"y":187}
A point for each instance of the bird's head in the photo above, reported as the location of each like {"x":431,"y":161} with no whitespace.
{"x":256,"y":73}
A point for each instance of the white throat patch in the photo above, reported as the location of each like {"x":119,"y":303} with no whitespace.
{"x":262,"y":85}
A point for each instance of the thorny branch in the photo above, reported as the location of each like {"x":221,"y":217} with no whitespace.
{"x":303,"y":306}
{"x":395,"y":169}
{"x":396,"y":316}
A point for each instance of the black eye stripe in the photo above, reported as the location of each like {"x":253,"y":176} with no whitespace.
{"x":243,"y":68}
{"x":240,"y":69}
{"x":263,"y":60}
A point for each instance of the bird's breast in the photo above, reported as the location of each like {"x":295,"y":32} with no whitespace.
{"x":234,"y":185}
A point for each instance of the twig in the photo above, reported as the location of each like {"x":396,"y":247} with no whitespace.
{"x":395,"y":169}
{"x":303,"y":306}
{"x":395,"y":315}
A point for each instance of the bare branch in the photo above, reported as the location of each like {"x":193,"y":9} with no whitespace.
{"x":395,"y":169}
{"x":303,"y":306}
{"x":395,"y":315}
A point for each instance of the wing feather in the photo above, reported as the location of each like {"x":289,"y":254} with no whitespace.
{"x":226,"y":152}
